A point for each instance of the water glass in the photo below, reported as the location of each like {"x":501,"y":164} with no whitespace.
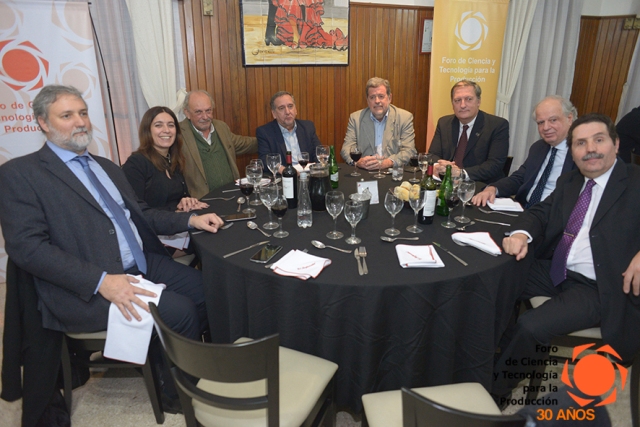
{"x":268,"y":196}
{"x":322,"y":153}
{"x":273,"y":163}
{"x":380,"y":158}
{"x":254,"y":175}
{"x":393,"y":205}
{"x":353,"y":215}
{"x":417,"y":201}
{"x":466,"y":189}
{"x":397,"y":172}
{"x":334,"y":200}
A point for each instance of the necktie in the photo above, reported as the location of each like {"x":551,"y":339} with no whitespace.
{"x":118,"y":215}
{"x":559,"y":261}
{"x":462,"y":147}
{"x":537,"y":192}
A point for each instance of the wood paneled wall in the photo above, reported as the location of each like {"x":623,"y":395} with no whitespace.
{"x":383,"y":42}
{"x":605,"y":51}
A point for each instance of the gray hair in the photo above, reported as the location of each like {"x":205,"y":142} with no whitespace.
{"x":48,"y":95}
{"x":377,"y":82}
{"x":567,"y":106}
{"x":278,"y":95}
{"x":462,"y":83}
{"x":185,"y":104}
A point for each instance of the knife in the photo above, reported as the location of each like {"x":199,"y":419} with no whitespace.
{"x":492,"y":222}
{"x":450,"y":253}
{"x":244,"y":249}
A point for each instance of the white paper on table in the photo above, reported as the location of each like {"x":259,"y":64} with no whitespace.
{"x":263,"y":181}
{"x":300,"y":264}
{"x":373,"y":189}
{"x":129,"y":340}
{"x":479,"y":240}
{"x":505,"y":204}
{"x":418,"y":256}
{"x":178,"y":241}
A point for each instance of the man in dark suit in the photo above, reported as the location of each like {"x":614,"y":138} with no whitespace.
{"x":80,"y":243}
{"x":587,"y":250}
{"x":548,"y":157}
{"x":286,"y":133}
{"x":471,"y":139}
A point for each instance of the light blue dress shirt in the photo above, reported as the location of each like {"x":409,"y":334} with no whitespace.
{"x":291,"y":141}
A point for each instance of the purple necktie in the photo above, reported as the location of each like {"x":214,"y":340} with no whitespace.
{"x":559,"y":261}
{"x":462,"y":147}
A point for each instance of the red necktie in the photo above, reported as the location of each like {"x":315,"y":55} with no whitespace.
{"x":462,"y":147}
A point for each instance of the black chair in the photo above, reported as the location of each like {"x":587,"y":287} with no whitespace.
{"x":507,"y":166}
{"x":635,"y":157}
{"x":93,"y":342}
{"x":420,"y":411}
{"x":230,"y":388}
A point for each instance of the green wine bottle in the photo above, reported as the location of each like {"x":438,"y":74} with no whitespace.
{"x":446,"y":187}
{"x":333,"y":168}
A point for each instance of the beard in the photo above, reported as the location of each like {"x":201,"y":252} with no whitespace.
{"x":73,"y":142}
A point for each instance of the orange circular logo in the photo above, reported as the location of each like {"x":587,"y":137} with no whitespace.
{"x":22,"y":65}
{"x":594,"y":375}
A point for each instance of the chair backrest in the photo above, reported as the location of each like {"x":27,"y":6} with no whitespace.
{"x":227,"y":363}
{"x":419,"y":411}
{"x":635,"y":157}
{"x":507,"y":166}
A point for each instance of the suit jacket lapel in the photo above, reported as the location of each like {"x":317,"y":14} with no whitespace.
{"x":277,"y":132}
{"x":568,"y":165}
{"x":367,"y":130}
{"x":571,"y":193}
{"x":476,"y":132}
{"x":387,"y":137}
{"x":192,"y":148}
{"x":455,"y":132}
{"x":616,"y":185}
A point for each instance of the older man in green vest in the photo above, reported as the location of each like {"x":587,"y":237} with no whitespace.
{"x":210,"y":146}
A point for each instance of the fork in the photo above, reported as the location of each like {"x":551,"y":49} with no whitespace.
{"x":498,"y":212}
{"x":226,"y":199}
{"x":357,"y":255}
{"x":363,"y":254}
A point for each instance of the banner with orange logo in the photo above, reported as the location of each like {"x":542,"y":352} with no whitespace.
{"x":44,"y":42}
{"x":467,"y":44}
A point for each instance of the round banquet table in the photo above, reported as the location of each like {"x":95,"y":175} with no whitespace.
{"x":390,"y":328}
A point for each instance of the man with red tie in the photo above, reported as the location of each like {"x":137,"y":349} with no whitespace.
{"x":587,"y":250}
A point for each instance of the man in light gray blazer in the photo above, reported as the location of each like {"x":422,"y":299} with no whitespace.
{"x":380,"y":124}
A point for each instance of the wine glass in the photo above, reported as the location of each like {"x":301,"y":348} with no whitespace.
{"x":334,"y":201}
{"x":246,"y":188}
{"x":355,"y":155}
{"x":452,"y":200}
{"x":393,"y":205}
{"x":303,"y":160}
{"x":254,"y":176}
{"x":466,"y":188}
{"x":380,"y":158}
{"x":279,"y":207}
{"x":423,"y":162}
{"x":268,"y":195}
{"x":416,"y":201}
{"x":273,"y":163}
{"x":257,"y":163}
{"x":322,"y":153}
{"x":353,"y":210}
{"x":413,"y":161}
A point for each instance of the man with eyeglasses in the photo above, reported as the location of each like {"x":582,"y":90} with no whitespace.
{"x":210,"y":146}
{"x":383,"y":125}
{"x":471,"y":139}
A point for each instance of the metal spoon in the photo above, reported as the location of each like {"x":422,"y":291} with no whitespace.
{"x":240,"y":202}
{"x":465,"y":226}
{"x":318,"y":244}
{"x":393,"y":239}
{"x":252,"y":225}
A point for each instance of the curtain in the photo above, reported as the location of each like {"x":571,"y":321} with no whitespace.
{"x":630,"y":98}
{"x":547,"y":69}
{"x":515,"y":42}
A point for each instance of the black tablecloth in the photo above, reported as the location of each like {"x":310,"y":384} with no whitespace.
{"x":393,"y":327}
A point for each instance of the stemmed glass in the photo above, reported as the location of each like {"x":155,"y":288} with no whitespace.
{"x":466,"y":188}
{"x":393,"y":205}
{"x":246,"y":188}
{"x":273,"y":163}
{"x":254,"y":176}
{"x":380,"y":158}
{"x":416,"y":200}
{"x":268,"y":196}
{"x":334,"y":201}
{"x":256,"y":164}
{"x":303,"y":160}
{"x":355,"y":155}
{"x":413,"y":161}
{"x":423,"y":162}
{"x":279,"y":207}
{"x":322,"y":153}
{"x":451,"y":197}
{"x":353,"y":214}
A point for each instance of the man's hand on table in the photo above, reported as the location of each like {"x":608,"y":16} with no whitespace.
{"x":516,"y":245}
{"x":371,"y":163}
{"x":208,"y":222}
{"x":486,"y":195}
{"x":440,"y":167}
{"x":119,"y":289}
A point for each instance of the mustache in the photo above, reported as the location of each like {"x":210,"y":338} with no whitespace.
{"x":79,"y":130}
{"x":593,"y":156}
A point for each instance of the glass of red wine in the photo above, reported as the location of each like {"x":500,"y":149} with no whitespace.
{"x":246,"y":188}
{"x":452,"y":199}
{"x":279,"y":208}
{"x":303,"y":160}
{"x":413,"y":161}
{"x":355,"y":155}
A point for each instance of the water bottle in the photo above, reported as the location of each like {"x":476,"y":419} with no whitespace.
{"x":305,"y":213}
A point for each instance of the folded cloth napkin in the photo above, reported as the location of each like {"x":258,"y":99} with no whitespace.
{"x":178,"y":241}
{"x":300,"y":169}
{"x":129,"y":340}
{"x":300,"y":264}
{"x":263,"y":181}
{"x":505,"y":204}
{"x":481,"y":240}
{"x":418,"y":256}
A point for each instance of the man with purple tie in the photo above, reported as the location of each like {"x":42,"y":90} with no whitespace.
{"x":587,"y":251}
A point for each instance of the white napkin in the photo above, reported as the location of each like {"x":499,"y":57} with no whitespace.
{"x":300,"y":169}
{"x":129,"y":340}
{"x":178,"y":241}
{"x":505,"y":204}
{"x":481,"y":240}
{"x":416,"y":256}
{"x":300,"y":264}
{"x":263,"y":181}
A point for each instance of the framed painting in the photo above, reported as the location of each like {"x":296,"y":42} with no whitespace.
{"x":295,"y":32}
